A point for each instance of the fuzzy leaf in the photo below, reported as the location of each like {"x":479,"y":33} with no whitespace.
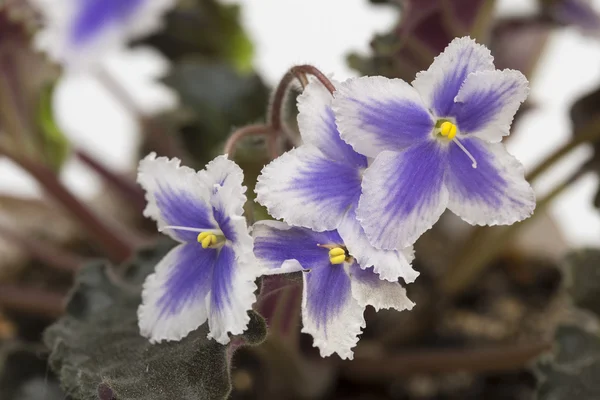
{"x":97,"y":350}
{"x":573,"y":373}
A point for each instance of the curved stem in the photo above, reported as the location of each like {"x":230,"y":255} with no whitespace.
{"x":250,"y":130}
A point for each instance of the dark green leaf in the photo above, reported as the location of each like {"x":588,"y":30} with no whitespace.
{"x":574,"y":371}
{"x":97,"y":350}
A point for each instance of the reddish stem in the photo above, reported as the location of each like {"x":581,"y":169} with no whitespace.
{"x":44,"y":252}
{"x":128,"y":190}
{"x":116,"y":246}
{"x":32,"y":301}
{"x":250,"y":130}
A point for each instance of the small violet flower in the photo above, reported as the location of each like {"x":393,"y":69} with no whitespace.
{"x":436,"y":145}
{"x":318,"y":185}
{"x":336,"y":289}
{"x":82,"y":32}
{"x":210,"y":275}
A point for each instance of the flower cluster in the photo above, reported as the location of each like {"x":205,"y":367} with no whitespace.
{"x":380,"y":161}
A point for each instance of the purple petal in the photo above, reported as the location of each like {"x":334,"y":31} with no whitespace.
{"x":403,"y":195}
{"x":276,"y":242}
{"x":179,"y":208}
{"x":327,"y":291}
{"x":488,"y":101}
{"x":305,"y":188}
{"x":317,"y":126}
{"x":94,"y":16}
{"x":174,"y":297}
{"x":189,"y":280}
{"x":440,"y":84}
{"x":494,"y":193}
{"x":375,"y":114}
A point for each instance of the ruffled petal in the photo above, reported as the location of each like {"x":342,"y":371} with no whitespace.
{"x":329,"y":312}
{"x":176,"y":196}
{"x":368,"y":289}
{"x":440,"y":84}
{"x":487,"y":103}
{"x":227,"y":200}
{"x":305,"y":188}
{"x":232,"y":294}
{"x":375,"y":114}
{"x":281,"y":248}
{"x":387,"y":264}
{"x":317,"y":125}
{"x":494,"y":193}
{"x":174,"y":297}
{"x":403,"y":195}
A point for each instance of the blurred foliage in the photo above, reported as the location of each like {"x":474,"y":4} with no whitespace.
{"x":584,"y":281}
{"x":574,"y":370}
{"x":97,"y":349}
{"x":207,"y":28}
{"x":220,"y":99}
{"x":423,"y":31}
{"x":26,"y":79}
{"x":585,"y":112}
{"x":24,"y":375}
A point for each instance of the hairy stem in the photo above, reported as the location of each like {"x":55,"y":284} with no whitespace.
{"x":116,"y":246}
{"x":250,"y":130}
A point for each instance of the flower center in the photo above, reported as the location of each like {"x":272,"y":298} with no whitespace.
{"x":449,"y":130}
{"x":209,"y":239}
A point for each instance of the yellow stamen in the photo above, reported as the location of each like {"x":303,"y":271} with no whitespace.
{"x":336,"y":251}
{"x":338,"y":259}
{"x":337,"y":255}
{"x":448,"y":129}
{"x":207,"y":239}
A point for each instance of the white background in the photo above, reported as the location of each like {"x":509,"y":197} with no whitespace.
{"x":323,"y":32}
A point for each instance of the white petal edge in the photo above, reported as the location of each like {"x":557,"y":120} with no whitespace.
{"x":426,"y":82}
{"x":263,"y":229}
{"x":484,"y":81}
{"x":346,"y":328}
{"x":273,"y":190}
{"x":153,"y":170}
{"x":380,"y":294}
{"x":235,"y":318}
{"x":157,"y":328}
{"x":368,"y":89}
{"x":388,"y":264}
{"x":479,"y":213}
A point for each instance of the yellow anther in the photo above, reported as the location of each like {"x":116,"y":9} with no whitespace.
{"x":336,"y":251}
{"x":338,"y":259}
{"x":207,"y":239}
{"x":448,"y":129}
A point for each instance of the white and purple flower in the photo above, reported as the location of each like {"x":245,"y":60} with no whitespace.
{"x":318,"y":184}
{"x":336,"y":289}
{"x":436,"y":145}
{"x":210,"y":275}
{"x":82,"y":32}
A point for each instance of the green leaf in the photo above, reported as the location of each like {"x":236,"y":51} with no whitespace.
{"x":97,"y":349}
{"x":583,"y":268}
{"x":574,"y":371}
